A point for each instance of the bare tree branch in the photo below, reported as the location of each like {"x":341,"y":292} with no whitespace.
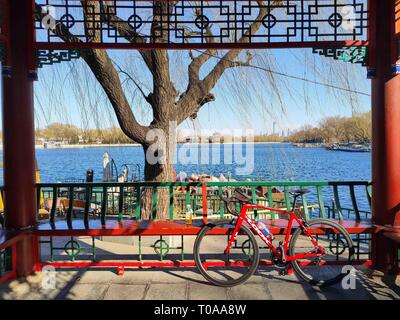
{"x":104,"y":71}
{"x":211,"y":79}
{"x":146,"y":97}
{"x":126,"y":31}
{"x":241,"y":63}
{"x":197,"y":95}
{"x":199,"y":61}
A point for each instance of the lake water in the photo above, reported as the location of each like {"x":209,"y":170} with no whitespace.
{"x":272,"y":162}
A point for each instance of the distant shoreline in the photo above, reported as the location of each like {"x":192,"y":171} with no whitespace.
{"x":84,"y":146}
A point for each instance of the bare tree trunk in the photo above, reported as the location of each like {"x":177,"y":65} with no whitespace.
{"x":158,"y":172}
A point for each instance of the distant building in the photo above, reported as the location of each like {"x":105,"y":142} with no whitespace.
{"x":40,"y":141}
{"x":192,"y":139}
{"x":55,"y":143}
{"x":216,"y":137}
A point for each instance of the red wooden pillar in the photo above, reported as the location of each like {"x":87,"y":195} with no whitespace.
{"x":18,"y":128}
{"x":385,"y":131}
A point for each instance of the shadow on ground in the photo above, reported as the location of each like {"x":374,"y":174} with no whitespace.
{"x":184,"y":283}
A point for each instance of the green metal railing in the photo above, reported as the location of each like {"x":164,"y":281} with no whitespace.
{"x":72,"y":248}
{"x":67,"y":201}
{"x":5,"y":261}
{"x":124,"y":200}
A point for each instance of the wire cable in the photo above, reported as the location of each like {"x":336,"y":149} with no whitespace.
{"x":289,"y":75}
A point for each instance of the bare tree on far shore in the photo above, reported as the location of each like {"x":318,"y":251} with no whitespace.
{"x":336,"y":129}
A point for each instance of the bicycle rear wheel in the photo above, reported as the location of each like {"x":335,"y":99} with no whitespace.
{"x":222,"y":269}
{"x":327,"y":269}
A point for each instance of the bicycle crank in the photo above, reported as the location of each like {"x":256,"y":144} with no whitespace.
{"x":278,"y":263}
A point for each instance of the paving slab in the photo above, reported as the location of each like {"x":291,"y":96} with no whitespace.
{"x":364,"y":289}
{"x":291,"y":290}
{"x":98,"y":275}
{"x":85,"y":292}
{"x":125,"y":292}
{"x":31,"y":287}
{"x":153,"y":275}
{"x":198,"y":291}
{"x":163,"y":284}
{"x":31,"y":295}
{"x":132,"y":275}
{"x":161,"y":291}
{"x":250,"y":291}
{"x":378,"y":286}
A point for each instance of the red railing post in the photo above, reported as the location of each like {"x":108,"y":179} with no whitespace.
{"x":18,"y":128}
{"x":385,"y":132}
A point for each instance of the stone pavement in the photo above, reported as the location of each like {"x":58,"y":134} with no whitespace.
{"x":181,"y":283}
{"x":166,"y":284}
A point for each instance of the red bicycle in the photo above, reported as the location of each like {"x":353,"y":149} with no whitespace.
{"x":227,"y":253}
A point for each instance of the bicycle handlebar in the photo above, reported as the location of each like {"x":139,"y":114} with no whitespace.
{"x":242,"y":194}
{"x":228,"y":200}
{"x":245,"y":199}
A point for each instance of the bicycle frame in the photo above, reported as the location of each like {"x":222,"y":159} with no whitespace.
{"x":292,"y":217}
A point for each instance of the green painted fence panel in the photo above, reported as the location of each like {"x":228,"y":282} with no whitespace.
{"x":321,"y":205}
{"x":287,"y":198}
{"x":71,"y":203}
{"x":171,"y":203}
{"x":354,"y":202}
{"x":138,"y":202}
{"x":154,"y":206}
{"x":368,"y":190}
{"x":121,"y":198}
{"x":54,"y":204}
{"x":221,"y":203}
{"x":104,"y":203}
{"x":88,"y":196}
{"x":254,"y":200}
{"x":99,"y":192}
{"x":305,"y":205}
{"x":338,"y":206}
{"x":270,"y":199}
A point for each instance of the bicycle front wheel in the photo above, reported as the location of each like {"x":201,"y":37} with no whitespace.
{"x":339,"y":252}
{"x":222,"y":269}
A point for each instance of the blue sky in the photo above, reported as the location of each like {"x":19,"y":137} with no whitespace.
{"x":299,"y":103}
{"x":245,"y":97}
{"x":302,"y":103}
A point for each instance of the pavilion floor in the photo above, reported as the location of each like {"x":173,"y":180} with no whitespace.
{"x":187,"y":283}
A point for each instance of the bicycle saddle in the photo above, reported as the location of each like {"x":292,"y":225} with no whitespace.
{"x":298,"y":192}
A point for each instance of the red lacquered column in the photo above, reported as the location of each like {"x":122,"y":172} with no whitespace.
{"x":18,"y":128}
{"x":385,"y":132}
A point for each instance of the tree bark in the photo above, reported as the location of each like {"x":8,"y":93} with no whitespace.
{"x":157,"y":172}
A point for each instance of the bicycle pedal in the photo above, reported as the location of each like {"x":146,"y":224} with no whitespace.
{"x":283,"y":272}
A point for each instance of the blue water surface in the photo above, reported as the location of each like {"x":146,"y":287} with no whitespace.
{"x":272,"y":162}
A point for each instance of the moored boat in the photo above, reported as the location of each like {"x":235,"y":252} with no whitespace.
{"x":350,"y":147}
